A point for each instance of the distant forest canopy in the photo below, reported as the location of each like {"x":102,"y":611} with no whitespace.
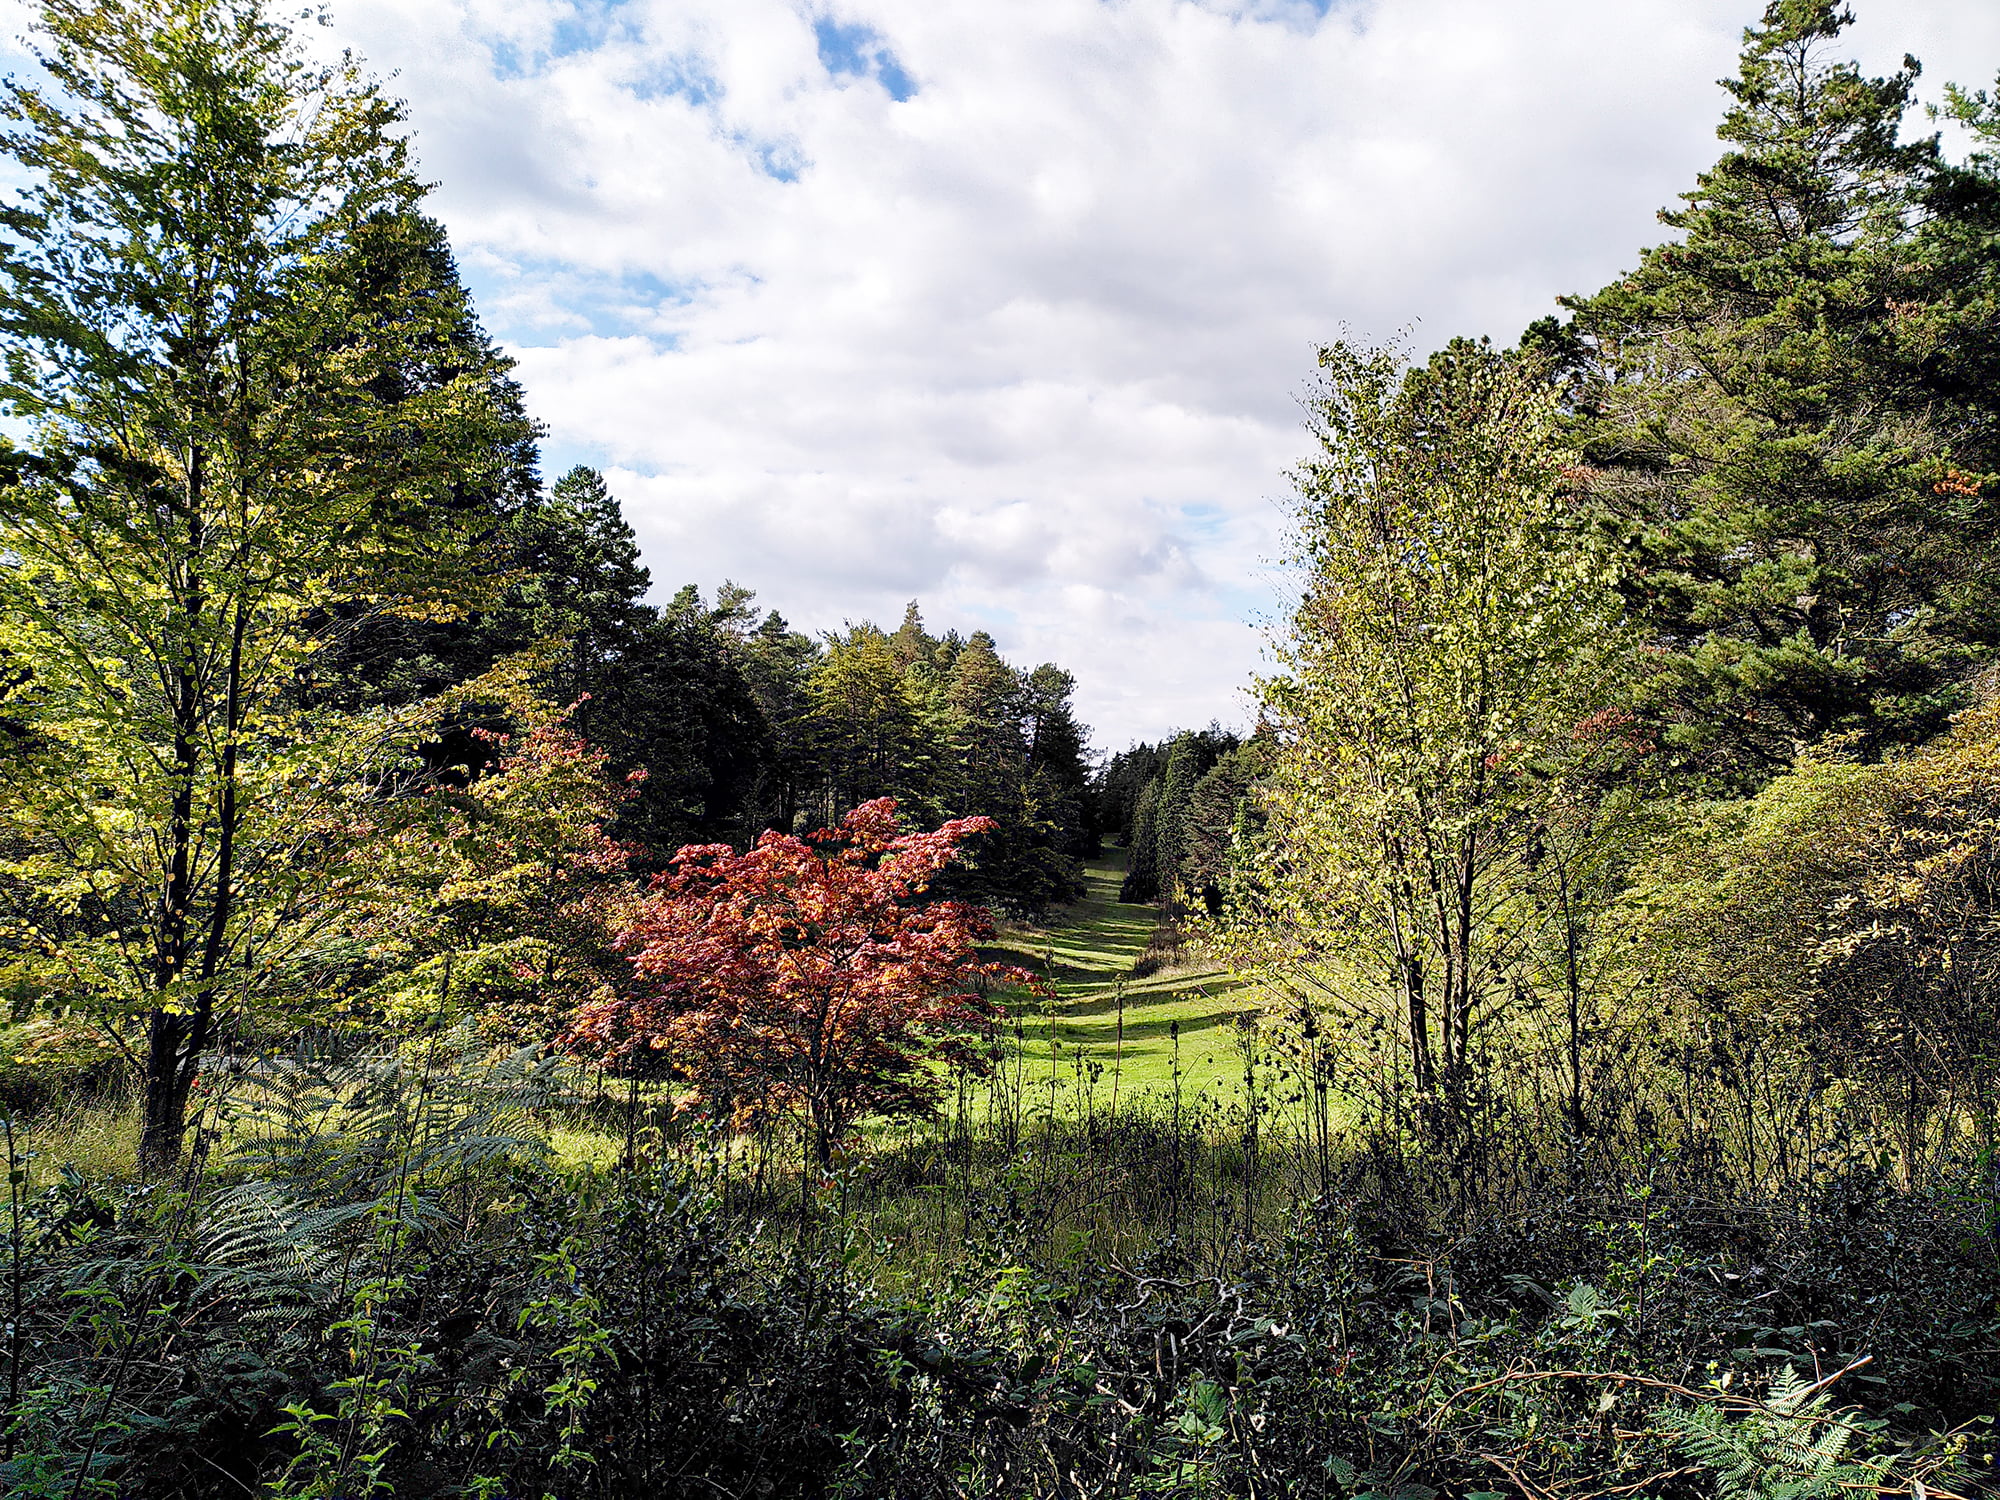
{"x":1180,"y":807}
{"x":739,"y":722}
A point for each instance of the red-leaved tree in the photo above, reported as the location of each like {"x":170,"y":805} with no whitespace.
{"x":808,"y":975}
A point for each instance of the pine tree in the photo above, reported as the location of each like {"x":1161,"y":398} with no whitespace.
{"x":864,"y":728}
{"x":1779,"y":419}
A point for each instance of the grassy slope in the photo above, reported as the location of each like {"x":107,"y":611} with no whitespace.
{"x":1088,"y":949}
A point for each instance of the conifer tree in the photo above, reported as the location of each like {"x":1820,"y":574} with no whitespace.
{"x":1142,"y":865}
{"x":864,"y":727}
{"x":1780,"y":421}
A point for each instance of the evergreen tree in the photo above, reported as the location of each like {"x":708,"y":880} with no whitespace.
{"x":1222,"y":808}
{"x":1117,"y":788}
{"x":863,"y":729}
{"x":1159,"y":837}
{"x":377,"y":657}
{"x":1192,"y":754}
{"x":1058,"y":756}
{"x":1142,"y":867}
{"x":911,"y":643}
{"x":1790,"y":417}
{"x":778,"y":664}
{"x":680,"y":705}
{"x":1017,"y":759}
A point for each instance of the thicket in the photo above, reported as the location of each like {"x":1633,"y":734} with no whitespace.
{"x":1616,"y":856}
{"x":371,"y":1277}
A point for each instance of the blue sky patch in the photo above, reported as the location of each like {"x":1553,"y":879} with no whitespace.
{"x":687,"y":76}
{"x":1204,"y":519}
{"x":1294,"y":15}
{"x":587,"y":27}
{"x":578,"y":302}
{"x":780,"y":159}
{"x":858,"y":51}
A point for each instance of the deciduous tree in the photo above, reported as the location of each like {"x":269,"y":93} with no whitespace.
{"x":1852,"y":910}
{"x":808,"y":975}
{"x":228,"y":468}
{"x":500,"y":902}
{"x":1456,"y":632}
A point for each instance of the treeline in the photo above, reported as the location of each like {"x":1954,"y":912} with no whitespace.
{"x":1179,"y":807}
{"x":1635,"y":740}
{"x":318,"y":703}
{"x":739,"y":723}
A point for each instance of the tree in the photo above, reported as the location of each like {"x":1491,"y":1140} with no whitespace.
{"x":1793,"y":418}
{"x":1117,"y":787}
{"x":864,"y":733}
{"x":665,"y":689}
{"x":1012,"y":754}
{"x":1456,"y":632}
{"x":495,"y":509}
{"x":1222,"y":813}
{"x":682,"y":705}
{"x":1159,"y":839}
{"x":581,"y":581}
{"x":778,"y":664}
{"x":1058,"y":767}
{"x":807,"y":976}
{"x":500,"y":901}
{"x":1142,"y":865}
{"x":228,"y":469}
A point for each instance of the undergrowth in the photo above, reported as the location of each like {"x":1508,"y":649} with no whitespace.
{"x":376,"y":1276}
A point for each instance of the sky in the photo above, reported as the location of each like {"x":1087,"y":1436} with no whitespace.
{"x":1008,"y":307}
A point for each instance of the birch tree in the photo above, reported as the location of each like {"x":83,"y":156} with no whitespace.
{"x":1442,"y":688}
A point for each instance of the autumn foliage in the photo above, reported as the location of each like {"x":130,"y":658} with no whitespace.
{"x":807,"y":976}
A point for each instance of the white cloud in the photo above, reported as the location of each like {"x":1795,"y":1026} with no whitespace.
{"x":1027,"y":345}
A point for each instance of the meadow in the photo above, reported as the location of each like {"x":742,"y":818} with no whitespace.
{"x":1135,"y":1008}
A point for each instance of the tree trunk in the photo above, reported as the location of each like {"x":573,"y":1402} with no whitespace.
{"x":165,"y":1091}
{"x":163,"y":1110}
{"x":1416,"y":1006}
{"x":175,"y":1039}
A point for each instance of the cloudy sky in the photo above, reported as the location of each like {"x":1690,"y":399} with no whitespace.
{"x":1005,"y":305}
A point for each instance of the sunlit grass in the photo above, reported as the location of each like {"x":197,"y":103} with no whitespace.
{"x":1103,"y":1017}
{"x":97,"y":1135}
{"x":584,"y":1150}
{"x":1113,"y":1034}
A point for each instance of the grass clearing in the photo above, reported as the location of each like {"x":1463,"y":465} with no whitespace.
{"x":1089,"y":949}
{"x":97,"y":1134}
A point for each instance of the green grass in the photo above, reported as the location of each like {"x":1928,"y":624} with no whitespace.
{"x":97,"y":1136}
{"x":1089,"y":949}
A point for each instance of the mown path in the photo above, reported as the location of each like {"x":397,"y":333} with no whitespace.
{"x":1089,"y":949}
